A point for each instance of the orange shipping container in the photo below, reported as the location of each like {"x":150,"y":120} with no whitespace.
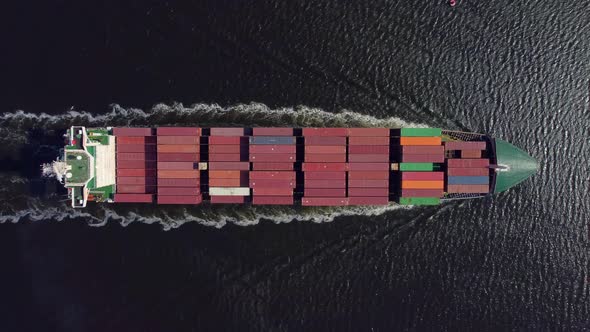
{"x":178,"y":148}
{"x":228,"y":182}
{"x":413,"y":184}
{"x":420,"y":140}
{"x":178,"y":174}
{"x":224,"y":174}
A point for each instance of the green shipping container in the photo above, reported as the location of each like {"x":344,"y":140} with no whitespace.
{"x":427,"y":167}
{"x":421,"y":132}
{"x":419,"y":200}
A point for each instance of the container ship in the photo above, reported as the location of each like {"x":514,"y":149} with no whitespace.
{"x":286,"y":166}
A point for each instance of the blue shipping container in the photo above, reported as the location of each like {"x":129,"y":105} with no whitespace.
{"x":279,"y":140}
{"x":468,"y":180}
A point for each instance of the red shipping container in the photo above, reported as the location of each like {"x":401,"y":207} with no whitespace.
{"x":228,"y":182}
{"x":325,"y":167}
{"x":324,"y":192}
{"x":325,"y":158}
{"x":178,"y":131}
{"x":272,"y":200}
{"x":142,"y":140}
{"x":422,"y":193}
{"x":325,"y":149}
{"x":272,"y":191}
{"x":368,"y":166}
{"x":178,"y":157}
{"x":167,"y":191}
{"x":368,"y":175}
{"x":324,"y":175}
{"x":325,"y":132}
{"x":325,"y":184}
{"x":227,"y":140}
{"x":472,"y":154}
{"x":135,"y":189}
{"x":368,"y":158}
{"x":136,"y":172}
{"x":179,"y":140}
{"x":375,"y":200}
{"x":138,"y":156}
{"x":123,"y":164}
{"x":324,"y":201}
{"x":468,"y":171}
{"x":227,"y":148}
{"x":360,"y":140}
{"x":258,"y":166}
{"x":228,"y":199}
{"x":179,"y":148}
{"x":259,"y":131}
{"x":268,"y":157}
{"x":423,"y":176}
{"x":369,"y":132}
{"x":469,"y":163}
{"x":125,"y":148}
{"x":227,"y":131}
{"x":468,"y":188}
{"x":325,"y":140}
{"x":227,"y":174}
{"x":368,"y":149}
{"x":198,"y":199}
{"x":272,"y":183}
{"x":132,"y":131}
{"x":368,"y":183}
{"x":423,"y":149}
{"x":270,"y":175}
{"x":134,"y":198}
{"x":225,"y":157}
{"x":179,"y":174}
{"x":177,"y":165}
{"x":368,"y":192}
{"x":179,"y":182}
{"x":138,"y":180}
{"x":423,"y":158}
{"x":272,"y":149}
{"x":465,"y":145}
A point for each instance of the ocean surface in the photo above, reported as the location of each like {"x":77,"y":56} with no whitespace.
{"x":516,"y":261}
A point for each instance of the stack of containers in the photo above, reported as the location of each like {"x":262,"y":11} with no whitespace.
{"x":273,"y":154}
{"x":136,"y":165}
{"x":324,"y":167}
{"x":420,"y":149}
{"x":471,"y":173}
{"x":368,"y":165}
{"x":178,"y":173}
{"x":228,"y":165}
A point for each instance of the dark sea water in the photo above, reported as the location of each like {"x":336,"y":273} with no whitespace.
{"x":519,"y":70}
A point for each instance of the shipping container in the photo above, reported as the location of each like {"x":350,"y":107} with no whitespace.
{"x":228,"y":199}
{"x":326,"y":167}
{"x":423,"y":158}
{"x":123,"y":164}
{"x":178,"y":131}
{"x":368,"y":158}
{"x":227,"y":148}
{"x":325,"y":140}
{"x":271,"y":175}
{"x":423,"y":149}
{"x":324,"y":192}
{"x":258,"y":166}
{"x":261,"y":131}
{"x":142,"y":140}
{"x":324,"y":175}
{"x":222,"y":191}
{"x":138,"y":156}
{"x":325,"y":158}
{"x":179,"y":182}
{"x":368,"y":175}
{"x":417,"y":184}
{"x":227,"y":140}
{"x":468,"y":180}
{"x":369,"y":132}
{"x":190,"y":191}
{"x":226,"y":174}
{"x":134,"y":198}
{"x":197,"y":199}
{"x":374,"y":200}
{"x":468,"y":188}
{"x":470,"y":163}
{"x":368,"y":149}
{"x":179,"y":140}
{"x":239,"y":182}
{"x":272,"y":200}
{"x":360,"y":140}
{"x":179,"y":148}
{"x":268,"y":157}
{"x":272,"y":148}
{"x":142,"y":148}
{"x":426,"y":167}
{"x":481,"y":171}
{"x":419,"y":200}
{"x":368,"y":166}
{"x":458,"y":145}
{"x":333,"y":183}
{"x":271,"y":183}
{"x":141,"y":172}
{"x":364,"y":183}
{"x":138,"y":180}
{"x":421,"y":132}
{"x":226,"y":157}
{"x":325,"y":149}
{"x":422,"y":193}
{"x":325,"y":132}
{"x":471,"y":154}
{"x":177,"y":165}
{"x":132,"y":131}
{"x":367,"y":192}
{"x":227,"y":131}
{"x":178,"y":157}
{"x":272,"y":191}
{"x":420,"y":140}
{"x":423,"y":176}
{"x":272,"y":140}
{"x":229,"y":165}
{"x":324,"y":201}
{"x":179,"y":174}
{"x":135,"y":189}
